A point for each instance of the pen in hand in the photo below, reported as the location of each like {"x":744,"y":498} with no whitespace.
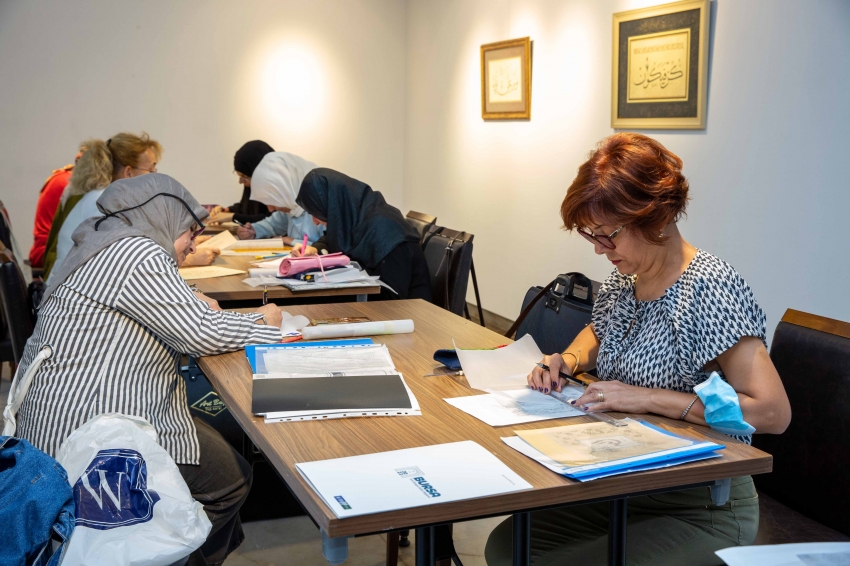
{"x":561,"y":374}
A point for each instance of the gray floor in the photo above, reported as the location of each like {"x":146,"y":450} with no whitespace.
{"x":297,"y":541}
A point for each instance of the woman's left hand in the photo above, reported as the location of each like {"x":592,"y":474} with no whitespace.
{"x":615,"y":396}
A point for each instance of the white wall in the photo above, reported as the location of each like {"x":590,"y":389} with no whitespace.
{"x":324,"y":79}
{"x":768,"y":176}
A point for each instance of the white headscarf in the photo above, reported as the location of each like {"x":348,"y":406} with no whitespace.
{"x":277,"y":180}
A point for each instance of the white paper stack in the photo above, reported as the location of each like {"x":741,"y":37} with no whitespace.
{"x":413,"y":477}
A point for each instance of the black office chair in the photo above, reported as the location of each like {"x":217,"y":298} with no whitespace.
{"x":20,"y":319}
{"x":805,"y":498}
{"x":449,"y":256}
{"x":422,"y":222}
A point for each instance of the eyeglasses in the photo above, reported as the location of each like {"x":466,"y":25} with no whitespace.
{"x":146,"y":170}
{"x":604,"y":241}
{"x":195,"y":233}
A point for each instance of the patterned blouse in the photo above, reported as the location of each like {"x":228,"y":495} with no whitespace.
{"x":667,"y":342}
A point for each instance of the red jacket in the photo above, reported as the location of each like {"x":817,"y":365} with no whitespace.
{"x":48,"y":202}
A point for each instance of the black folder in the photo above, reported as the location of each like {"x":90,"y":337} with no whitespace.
{"x":274,"y":395}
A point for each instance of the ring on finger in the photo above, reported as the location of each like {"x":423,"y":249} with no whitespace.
{"x":600,"y":397}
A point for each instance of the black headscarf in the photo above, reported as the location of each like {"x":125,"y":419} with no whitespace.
{"x":249,"y":156}
{"x":360,"y":222}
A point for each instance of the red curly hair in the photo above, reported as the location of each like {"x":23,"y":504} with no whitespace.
{"x":629,"y":179}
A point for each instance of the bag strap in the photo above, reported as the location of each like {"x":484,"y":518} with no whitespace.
{"x":512,"y":330}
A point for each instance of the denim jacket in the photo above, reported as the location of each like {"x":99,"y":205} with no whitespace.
{"x":36,"y":503}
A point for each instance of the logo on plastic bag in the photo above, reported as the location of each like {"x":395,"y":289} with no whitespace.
{"x":113,"y":492}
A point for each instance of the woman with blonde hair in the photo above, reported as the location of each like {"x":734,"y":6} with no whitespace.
{"x":121,"y":157}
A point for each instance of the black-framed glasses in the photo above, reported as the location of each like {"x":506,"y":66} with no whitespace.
{"x":195,"y":233}
{"x":604,"y":241}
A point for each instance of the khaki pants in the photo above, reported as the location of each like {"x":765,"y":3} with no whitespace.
{"x":675,"y":528}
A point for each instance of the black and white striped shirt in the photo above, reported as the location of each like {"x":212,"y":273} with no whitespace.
{"x":118,"y":326}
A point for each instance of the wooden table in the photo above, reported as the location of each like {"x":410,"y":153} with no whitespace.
{"x":286,"y":444}
{"x":231,"y":288}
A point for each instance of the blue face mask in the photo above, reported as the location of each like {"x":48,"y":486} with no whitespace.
{"x":722,"y":407}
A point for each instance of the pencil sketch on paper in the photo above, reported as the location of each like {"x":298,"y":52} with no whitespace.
{"x":505,"y":79}
{"x":592,"y":443}
{"x":658,"y":66}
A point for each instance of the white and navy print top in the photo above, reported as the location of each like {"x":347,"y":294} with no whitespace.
{"x":706,"y":312}
{"x":118,"y":326}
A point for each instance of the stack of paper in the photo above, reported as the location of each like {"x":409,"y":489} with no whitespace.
{"x":326,"y":380}
{"x":597,"y":450}
{"x":344,"y":278}
{"x":401,"y":479}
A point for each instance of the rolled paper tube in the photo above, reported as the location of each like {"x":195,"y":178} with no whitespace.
{"x":357,"y":329}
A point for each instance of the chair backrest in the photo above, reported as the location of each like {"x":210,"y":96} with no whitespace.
{"x":449,"y":256}
{"x":5,"y":228}
{"x":13,"y":299}
{"x":422,"y":222}
{"x":811,"y":459}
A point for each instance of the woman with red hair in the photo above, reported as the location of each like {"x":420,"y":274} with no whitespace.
{"x":666,"y":320}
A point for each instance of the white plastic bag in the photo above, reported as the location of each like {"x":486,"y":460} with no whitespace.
{"x":132,"y":505}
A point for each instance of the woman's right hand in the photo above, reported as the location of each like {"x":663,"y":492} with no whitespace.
{"x":542,"y":380}
{"x":297,"y":251}
{"x":246,"y":232}
{"x":272,"y":314}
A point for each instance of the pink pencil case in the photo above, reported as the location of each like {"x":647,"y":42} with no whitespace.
{"x":295,"y":265}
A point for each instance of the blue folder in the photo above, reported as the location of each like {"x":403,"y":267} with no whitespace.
{"x":251,"y":351}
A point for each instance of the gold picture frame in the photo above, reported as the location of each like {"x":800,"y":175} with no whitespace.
{"x":506,"y":80}
{"x":659,"y":74}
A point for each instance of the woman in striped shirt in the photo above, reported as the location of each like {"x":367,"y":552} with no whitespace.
{"x":118,"y":316}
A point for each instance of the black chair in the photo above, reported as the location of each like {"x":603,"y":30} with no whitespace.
{"x":807,"y":496}
{"x":449,"y":256}
{"x":422,"y":222}
{"x":13,"y":297}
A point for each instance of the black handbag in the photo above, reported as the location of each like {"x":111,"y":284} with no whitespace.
{"x":556,"y":313}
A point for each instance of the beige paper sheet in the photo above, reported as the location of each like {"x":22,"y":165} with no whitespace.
{"x":189,"y":273}
{"x":222,"y":241}
{"x":591,"y":443}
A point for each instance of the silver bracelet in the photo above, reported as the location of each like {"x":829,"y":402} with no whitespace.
{"x":688,"y":408}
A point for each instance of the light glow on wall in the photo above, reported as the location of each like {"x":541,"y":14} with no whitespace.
{"x":293,"y":86}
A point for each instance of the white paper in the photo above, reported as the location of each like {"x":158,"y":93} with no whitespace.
{"x":500,"y":369}
{"x":413,"y":477}
{"x":324,"y":331}
{"x":222,"y":241}
{"x":511,"y":407}
{"x":292,"y":325}
{"x":801,"y":554}
{"x":326,"y":361}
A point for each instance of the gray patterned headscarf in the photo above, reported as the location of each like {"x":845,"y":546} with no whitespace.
{"x":139,"y":206}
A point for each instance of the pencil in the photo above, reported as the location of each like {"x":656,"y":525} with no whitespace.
{"x":265,"y":295}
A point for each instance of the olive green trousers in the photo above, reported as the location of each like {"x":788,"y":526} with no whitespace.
{"x":668,"y":529}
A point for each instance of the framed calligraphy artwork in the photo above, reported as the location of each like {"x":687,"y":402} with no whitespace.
{"x":660,"y":67}
{"x":506,"y":80}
